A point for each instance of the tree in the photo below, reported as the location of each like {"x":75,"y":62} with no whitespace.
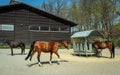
{"x":95,"y":14}
{"x":56,"y":7}
{"x":49,"y":7}
{"x":89,"y":14}
{"x":82,"y":12}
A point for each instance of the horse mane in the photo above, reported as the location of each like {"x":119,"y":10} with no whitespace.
{"x":10,"y":41}
{"x":59,"y":41}
{"x":102,"y":41}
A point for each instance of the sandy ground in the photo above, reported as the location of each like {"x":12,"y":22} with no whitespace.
{"x":69,"y":64}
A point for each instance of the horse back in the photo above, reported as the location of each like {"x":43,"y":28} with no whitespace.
{"x":16,"y":44}
{"x":102,"y":45}
{"x":45,"y":46}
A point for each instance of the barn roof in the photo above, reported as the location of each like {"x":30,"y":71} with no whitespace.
{"x":86,"y":34}
{"x":38,"y":11}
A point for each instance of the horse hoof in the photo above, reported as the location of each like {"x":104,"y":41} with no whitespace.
{"x":58,"y":63}
{"x":111,"y":58}
{"x":40,"y":65}
{"x":29,"y":65}
{"x":50,"y":62}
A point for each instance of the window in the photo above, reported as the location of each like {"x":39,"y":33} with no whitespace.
{"x":54,"y":28}
{"x":64,"y":29}
{"x":7,"y":27}
{"x":35,"y":28}
{"x":38,"y":28}
{"x":48,"y":29}
{"x":44,"y":28}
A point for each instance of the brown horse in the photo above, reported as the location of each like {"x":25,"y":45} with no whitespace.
{"x":102,"y":45}
{"x":47,"y":47}
{"x":15,"y":44}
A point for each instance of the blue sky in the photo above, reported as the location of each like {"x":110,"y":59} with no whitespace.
{"x":30,"y":2}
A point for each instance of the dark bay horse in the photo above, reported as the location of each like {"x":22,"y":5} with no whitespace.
{"x":16,"y":44}
{"x":47,"y":47}
{"x":102,"y":45}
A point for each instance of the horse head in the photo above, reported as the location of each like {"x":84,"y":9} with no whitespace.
{"x":6,"y":41}
{"x":65,"y":44}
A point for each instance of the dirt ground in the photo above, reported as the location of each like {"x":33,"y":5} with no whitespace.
{"x":69,"y":64}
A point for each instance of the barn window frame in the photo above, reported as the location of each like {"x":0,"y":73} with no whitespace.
{"x":64,"y":29}
{"x":55,"y":29}
{"x":34,"y":28}
{"x":45,"y":28}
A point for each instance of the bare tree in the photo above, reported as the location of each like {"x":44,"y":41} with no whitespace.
{"x":49,"y":7}
{"x":56,"y":7}
{"x":89,"y":14}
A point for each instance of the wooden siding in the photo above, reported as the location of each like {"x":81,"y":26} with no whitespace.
{"x":22,"y":19}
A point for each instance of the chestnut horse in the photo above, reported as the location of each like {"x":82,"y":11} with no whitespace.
{"x":47,"y":47}
{"x":102,"y":45}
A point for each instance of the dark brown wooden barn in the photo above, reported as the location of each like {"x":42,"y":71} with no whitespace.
{"x":19,"y":21}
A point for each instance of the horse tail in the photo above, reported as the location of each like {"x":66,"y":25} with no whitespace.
{"x":30,"y":51}
{"x":113,"y":49}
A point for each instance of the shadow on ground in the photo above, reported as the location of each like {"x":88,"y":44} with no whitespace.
{"x":46,"y":62}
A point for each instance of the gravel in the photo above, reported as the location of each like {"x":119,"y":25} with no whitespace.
{"x":69,"y":64}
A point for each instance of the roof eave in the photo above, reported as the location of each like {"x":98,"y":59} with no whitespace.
{"x":34,"y":9}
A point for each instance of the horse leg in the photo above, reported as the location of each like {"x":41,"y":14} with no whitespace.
{"x":100,"y":52}
{"x":110,"y":54}
{"x":22,"y":49}
{"x":58,"y":58}
{"x":96,"y":52}
{"x":50,"y":58}
{"x":113,"y":51}
{"x":33,"y":52}
{"x":11,"y":51}
{"x":38,"y":57}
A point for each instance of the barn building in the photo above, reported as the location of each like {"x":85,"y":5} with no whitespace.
{"x":20,"y":21}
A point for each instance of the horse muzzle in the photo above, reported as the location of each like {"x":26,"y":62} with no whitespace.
{"x":68,"y":48}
